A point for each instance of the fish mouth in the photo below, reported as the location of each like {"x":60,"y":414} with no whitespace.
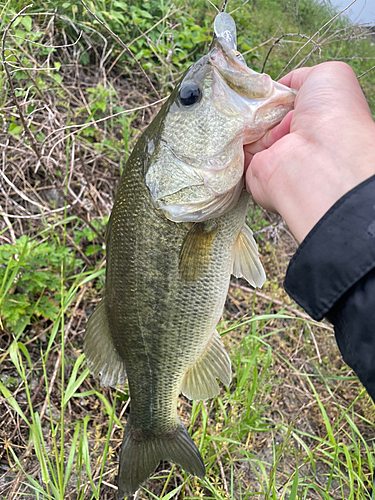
{"x":232,"y":68}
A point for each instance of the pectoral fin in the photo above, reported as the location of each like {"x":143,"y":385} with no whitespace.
{"x":246,"y":262}
{"x":101,"y":355}
{"x":200,"y":382}
{"x":195,"y":253}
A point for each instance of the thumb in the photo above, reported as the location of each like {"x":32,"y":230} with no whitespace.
{"x":271,"y":136}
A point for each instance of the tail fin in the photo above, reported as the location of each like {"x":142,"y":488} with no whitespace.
{"x":140,"y":456}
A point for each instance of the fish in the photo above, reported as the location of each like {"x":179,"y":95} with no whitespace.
{"x":176,"y":233}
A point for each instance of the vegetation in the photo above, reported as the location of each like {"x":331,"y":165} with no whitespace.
{"x":295,"y":423}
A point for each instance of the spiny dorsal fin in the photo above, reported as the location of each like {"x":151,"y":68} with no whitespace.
{"x":195,"y":253}
{"x":200,"y":382}
{"x":246,"y":263}
{"x":101,"y":355}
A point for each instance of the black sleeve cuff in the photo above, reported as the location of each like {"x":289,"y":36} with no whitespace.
{"x":336,"y":254}
{"x":353,"y":317}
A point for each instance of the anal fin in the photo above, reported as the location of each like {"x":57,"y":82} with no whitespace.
{"x":200,"y":382}
{"x":101,"y":355}
{"x":246,"y":262}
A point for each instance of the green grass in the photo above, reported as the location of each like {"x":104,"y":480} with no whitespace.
{"x":253,"y":446}
{"x":295,"y":423}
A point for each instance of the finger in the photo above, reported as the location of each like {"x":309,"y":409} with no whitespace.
{"x":248,"y":158}
{"x":255,"y":185}
{"x":270,"y":137}
{"x":297,"y":77}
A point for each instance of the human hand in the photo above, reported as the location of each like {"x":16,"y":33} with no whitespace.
{"x":319,"y":152}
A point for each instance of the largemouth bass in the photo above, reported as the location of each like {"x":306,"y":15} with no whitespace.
{"x":176,"y":233}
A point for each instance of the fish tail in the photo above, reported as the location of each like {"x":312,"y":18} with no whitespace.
{"x":140,"y":456}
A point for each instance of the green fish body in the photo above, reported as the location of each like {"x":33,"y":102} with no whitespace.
{"x":176,"y":233}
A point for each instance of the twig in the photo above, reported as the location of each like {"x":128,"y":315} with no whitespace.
{"x":277,"y":41}
{"x":257,"y":46}
{"x":47,"y":104}
{"x":7,"y":222}
{"x":365,"y":73}
{"x":168,"y":14}
{"x":239,"y":7}
{"x":224,"y":5}
{"x":51,"y":384}
{"x":225,"y":484}
{"x":71,"y":94}
{"x":114,"y":487}
{"x":213,"y":5}
{"x":36,"y":216}
{"x":311,"y":39}
{"x":73,"y":315}
{"x":315,"y":343}
{"x":298,"y":342}
{"x":33,"y":143}
{"x":20,"y":193}
{"x":85,"y":125}
{"x":123,"y":45}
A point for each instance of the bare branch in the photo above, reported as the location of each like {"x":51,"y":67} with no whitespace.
{"x":118,"y":39}
{"x":33,"y":142}
{"x":365,"y":73}
{"x":312,"y":37}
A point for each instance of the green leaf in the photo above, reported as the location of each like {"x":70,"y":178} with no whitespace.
{"x":74,"y":382}
{"x":57,"y":77}
{"x":324,"y":414}
{"x":15,"y":129}
{"x":33,"y":482}
{"x":86,"y":454}
{"x":294,"y":491}
{"x":69,"y":464}
{"x":13,"y":307}
{"x":27,"y":23}
{"x":25,"y":352}
{"x":172,"y":494}
{"x":46,"y":308}
{"x":13,"y":403}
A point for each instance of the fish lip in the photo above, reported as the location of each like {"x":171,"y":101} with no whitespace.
{"x":231,"y":67}
{"x":231,"y":56}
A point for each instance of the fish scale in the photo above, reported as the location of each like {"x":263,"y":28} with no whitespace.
{"x":176,"y":233}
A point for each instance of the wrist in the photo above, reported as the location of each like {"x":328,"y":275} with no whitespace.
{"x":302,"y":213}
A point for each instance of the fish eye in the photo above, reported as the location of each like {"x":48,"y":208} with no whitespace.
{"x":189,"y":94}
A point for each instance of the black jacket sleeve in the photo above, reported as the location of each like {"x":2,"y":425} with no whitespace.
{"x":332,"y":274}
